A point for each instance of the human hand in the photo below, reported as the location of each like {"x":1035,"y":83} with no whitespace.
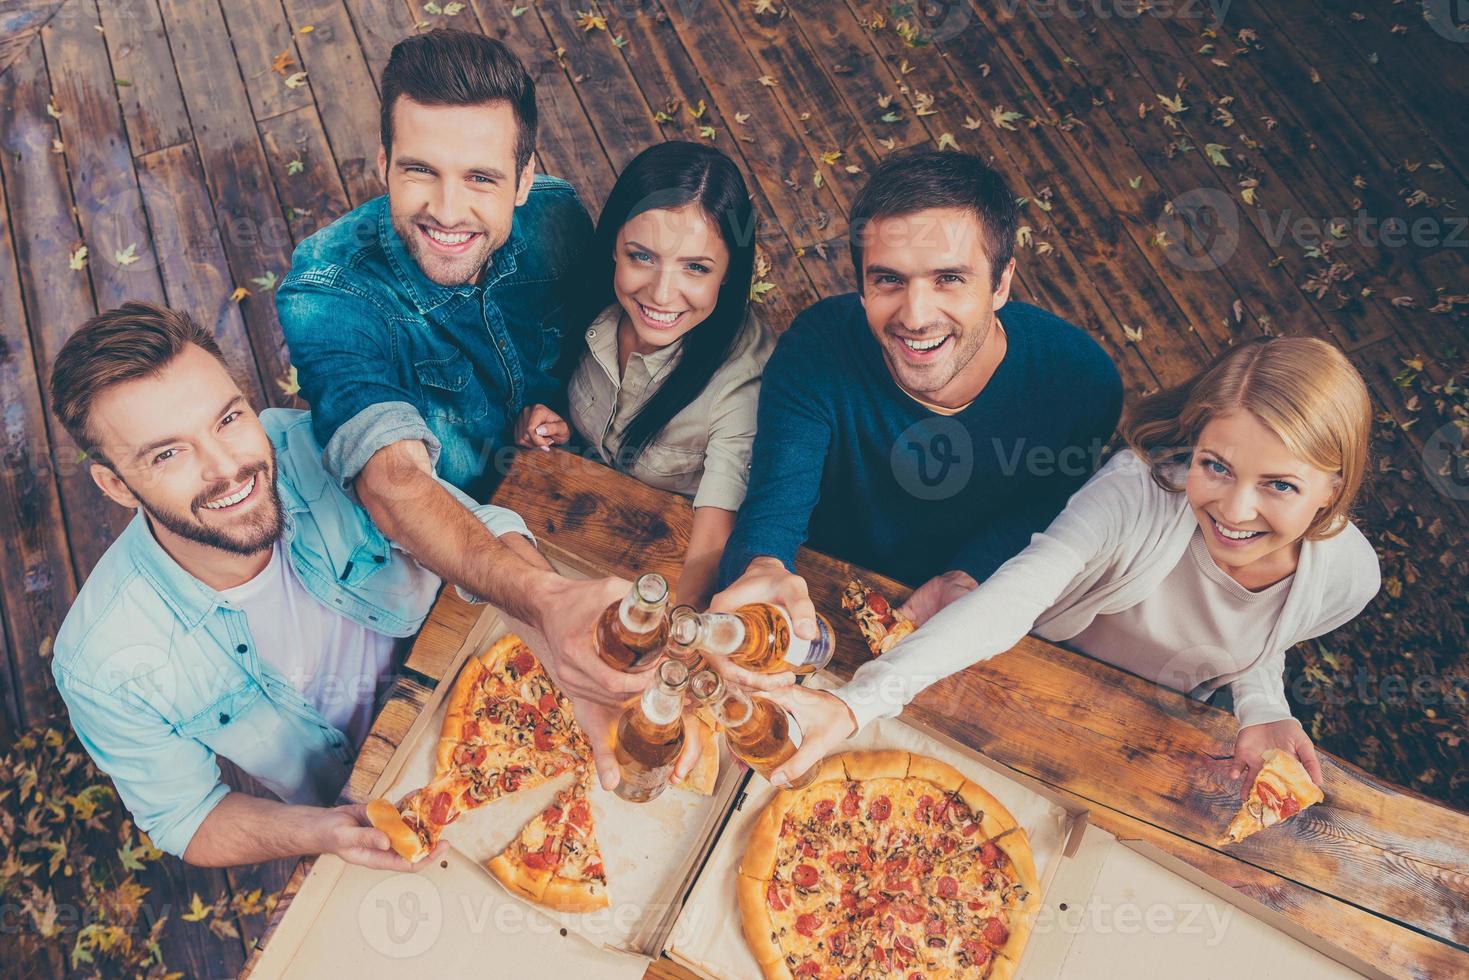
{"x":568,"y":612}
{"x":346,"y":832}
{"x":935,"y":594}
{"x":766,"y":579}
{"x":825,"y":722}
{"x":540,"y":428}
{"x":1287,"y":735}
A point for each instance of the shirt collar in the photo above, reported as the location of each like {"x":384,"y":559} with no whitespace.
{"x":427,"y":295}
{"x":601,"y":336}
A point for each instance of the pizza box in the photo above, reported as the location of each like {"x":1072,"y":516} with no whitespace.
{"x":1109,"y":907}
{"x":456,"y":916}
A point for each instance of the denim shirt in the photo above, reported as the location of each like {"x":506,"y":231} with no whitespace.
{"x":160,"y":673}
{"x":385,"y":354}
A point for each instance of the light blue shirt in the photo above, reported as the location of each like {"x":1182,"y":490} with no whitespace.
{"x":160,"y":673}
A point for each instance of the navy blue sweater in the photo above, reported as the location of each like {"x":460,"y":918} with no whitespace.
{"x":848,"y":462}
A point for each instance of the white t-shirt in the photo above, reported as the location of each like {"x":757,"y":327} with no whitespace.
{"x":334,"y":663}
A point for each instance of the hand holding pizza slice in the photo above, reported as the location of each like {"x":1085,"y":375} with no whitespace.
{"x":882,"y":626}
{"x":1280,"y":791}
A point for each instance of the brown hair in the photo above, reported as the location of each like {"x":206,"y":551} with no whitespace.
{"x":1300,"y":388}
{"x":447,"y":67}
{"x":135,"y":340}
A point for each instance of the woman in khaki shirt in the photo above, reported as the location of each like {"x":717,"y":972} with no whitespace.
{"x":666,"y":386}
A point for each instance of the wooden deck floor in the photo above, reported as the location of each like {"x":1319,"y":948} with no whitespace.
{"x":187,"y":145}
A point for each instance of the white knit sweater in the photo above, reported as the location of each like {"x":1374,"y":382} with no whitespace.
{"x":1109,"y":549}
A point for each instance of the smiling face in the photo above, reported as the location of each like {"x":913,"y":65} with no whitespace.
{"x":669,"y":265}
{"x":453,"y":185}
{"x":188,"y":449}
{"x":930,"y":300}
{"x":1253,"y":497}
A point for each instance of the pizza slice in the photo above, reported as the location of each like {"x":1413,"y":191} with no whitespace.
{"x":579,"y":880}
{"x":416,"y":822}
{"x":527,"y":866}
{"x":1281,"y":790}
{"x":882,"y":626}
{"x":507,"y":727}
{"x":705,"y":773}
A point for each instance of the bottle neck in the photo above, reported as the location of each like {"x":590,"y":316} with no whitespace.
{"x":638,"y":615}
{"x":661,"y":707}
{"x":721,"y":633}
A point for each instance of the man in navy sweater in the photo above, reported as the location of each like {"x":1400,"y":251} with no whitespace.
{"x":924,"y":426}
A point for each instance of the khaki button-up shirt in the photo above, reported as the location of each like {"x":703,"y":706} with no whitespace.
{"x":704,"y":450}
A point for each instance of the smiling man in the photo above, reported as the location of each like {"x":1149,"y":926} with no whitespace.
{"x":250,"y":610}
{"x":927,"y":425}
{"x":423,"y":321}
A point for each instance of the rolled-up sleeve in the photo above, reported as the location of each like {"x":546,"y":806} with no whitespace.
{"x":731,"y":441}
{"x":168,"y":782}
{"x":342,"y":348}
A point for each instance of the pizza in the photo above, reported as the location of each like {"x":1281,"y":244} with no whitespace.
{"x":1281,"y":790}
{"x":507,"y":727}
{"x":702,"y":777}
{"x":555,"y":861}
{"x":887,"y":864}
{"x":882,"y":626}
{"x":415,"y":823}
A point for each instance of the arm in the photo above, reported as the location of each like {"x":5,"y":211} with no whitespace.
{"x":245,"y":829}
{"x":701,"y":561}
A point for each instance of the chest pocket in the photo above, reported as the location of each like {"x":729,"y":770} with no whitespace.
{"x":450,"y":389}
{"x":553,"y":330}
{"x":673,"y":465}
{"x":228,"y":714}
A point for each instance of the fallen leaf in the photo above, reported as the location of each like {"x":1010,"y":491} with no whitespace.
{"x":1003,"y":118}
{"x":52,"y":111}
{"x":239,"y":294}
{"x":696,"y":113}
{"x":766,"y":80}
{"x":197,"y":910}
{"x":742,"y":117}
{"x":282,"y":62}
{"x":77,"y":260}
{"x":1135,"y":182}
{"x":590,"y":20}
{"x":708,"y":132}
{"x":296,"y":80}
{"x":307,"y":29}
{"x":831,"y":156}
{"x":765,"y":6}
{"x":971,"y":123}
{"x":267,"y":281}
{"x":1215,"y":152}
{"x":1133,"y":335}
{"x":947,"y":140}
{"x":289,"y":384}
{"x":294,"y":167}
{"x":451,"y":9}
{"x":126,"y":256}
{"x":1174,"y":105}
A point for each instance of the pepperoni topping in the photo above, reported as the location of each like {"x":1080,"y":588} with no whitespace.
{"x":923,"y":812}
{"x":596,"y":871}
{"x":523,"y":662}
{"x":881,"y":955}
{"x":837,"y":942}
{"x":989,"y":854}
{"x":807,"y":849}
{"x":947,"y":844}
{"x":806,"y":924}
{"x":552,"y":814}
{"x":810,"y":968}
{"x":910,"y":913}
{"x":995,"y":932}
{"x":877,"y":604}
{"x":922,"y":865}
{"x":1289,"y":807}
{"x":438,"y":811}
{"x":545,"y":738}
{"x":773,"y":897}
{"x":864,"y":856}
{"x":934,"y":926}
{"x":904,"y":945}
{"x":536,"y":861}
{"x":978,"y":953}
{"x":880,"y":809}
{"x":915,"y":975}
{"x":470,"y":729}
{"x":851,"y":803}
{"x":848,"y":900}
{"x":581,"y":814}
{"x":969,"y":829}
{"x":547,"y":704}
{"x":895,"y":863}
{"x":510,"y":778}
{"x":948,"y":887}
{"x":824,"y":809}
{"x":469,"y":755}
{"x":805,"y":876}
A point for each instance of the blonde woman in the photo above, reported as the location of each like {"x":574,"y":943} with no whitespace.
{"x":1196,"y":557}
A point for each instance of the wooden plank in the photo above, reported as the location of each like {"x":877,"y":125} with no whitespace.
{"x":121,"y":260}
{"x":254,"y":232}
{"x":196,"y":275}
{"x":152,"y":104}
{"x":378,"y":25}
{"x":20,"y":21}
{"x":57,"y":300}
{"x":313,"y":196}
{"x":37,"y":583}
{"x":265,"y":50}
{"x":1073,"y":722}
{"x":783,"y":168}
{"x":345,"y":93}
{"x":400,"y":709}
{"x":441,"y":635}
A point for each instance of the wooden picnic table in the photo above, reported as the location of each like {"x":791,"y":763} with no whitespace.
{"x":1379,"y":871}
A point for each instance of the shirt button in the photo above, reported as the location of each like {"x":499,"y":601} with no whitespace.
{"x":241,"y":648}
{"x":591,"y":334}
{"x":224,"y":719}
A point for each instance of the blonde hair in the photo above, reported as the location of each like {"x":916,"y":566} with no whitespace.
{"x":1300,"y":388}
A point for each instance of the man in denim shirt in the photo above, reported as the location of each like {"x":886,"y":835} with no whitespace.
{"x":423,"y":321}
{"x":249,"y":610}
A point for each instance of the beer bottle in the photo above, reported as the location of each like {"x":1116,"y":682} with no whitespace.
{"x":650,"y":735}
{"x":759,"y":637}
{"x":683,"y":638}
{"x":631,"y":633}
{"x":757,"y":729}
